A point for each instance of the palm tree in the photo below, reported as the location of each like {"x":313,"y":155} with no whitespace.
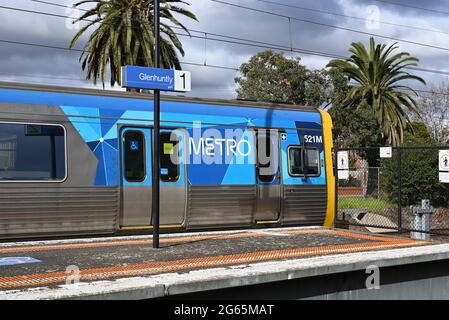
{"x":378,"y":75}
{"x":125,"y":36}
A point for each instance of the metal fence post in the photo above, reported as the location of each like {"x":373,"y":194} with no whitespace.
{"x":399,"y":189}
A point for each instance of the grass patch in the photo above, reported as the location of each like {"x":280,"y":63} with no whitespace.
{"x":370,"y":204}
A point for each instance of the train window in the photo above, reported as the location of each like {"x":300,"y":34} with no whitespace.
{"x":32,"y":152}
{"x":303,"y":161}
{"x":266,"y":164}
{"x":169,"y":157}
{"x":134,"y":156}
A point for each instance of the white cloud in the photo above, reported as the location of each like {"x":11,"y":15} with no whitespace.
{"x":30,"y":64}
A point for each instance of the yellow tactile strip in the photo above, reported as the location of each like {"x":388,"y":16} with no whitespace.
{"x":143,"y":269}
{"x":176,"y":239}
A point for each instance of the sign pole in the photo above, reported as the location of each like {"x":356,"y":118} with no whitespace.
{"x":156,"y":131}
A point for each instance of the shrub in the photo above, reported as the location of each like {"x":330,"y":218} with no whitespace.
{"x":419,"y":172}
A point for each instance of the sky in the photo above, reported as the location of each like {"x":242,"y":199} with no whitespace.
{"x":416,"y":22}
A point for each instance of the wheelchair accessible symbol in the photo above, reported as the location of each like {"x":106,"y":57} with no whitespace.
{"x":134,"y":145}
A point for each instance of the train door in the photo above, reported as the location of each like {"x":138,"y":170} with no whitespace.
{"x":267,"y":176}
{"x":136,"y":178}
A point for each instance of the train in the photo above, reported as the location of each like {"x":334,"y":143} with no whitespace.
{"x":77,"y":162}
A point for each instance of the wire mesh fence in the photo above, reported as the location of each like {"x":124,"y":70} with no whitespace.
{"x":385,"y":194}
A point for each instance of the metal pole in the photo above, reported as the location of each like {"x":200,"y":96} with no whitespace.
{"x":156,"y":131}
{"x":399,"y":189}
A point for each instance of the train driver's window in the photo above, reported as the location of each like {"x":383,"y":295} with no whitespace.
{"x":134,"y":156}
{"x":303,"y":161}
{"x":266,"y":164}
{"x":32,"y":152}
{"x":169,"y":157}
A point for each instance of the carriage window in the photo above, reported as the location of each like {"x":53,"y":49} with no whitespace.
{"x":32,"y":152}
{"x":134,"y":156}
{"x":303,"y":161}
{"x":266,"y":163}
{"x":169,"y":157}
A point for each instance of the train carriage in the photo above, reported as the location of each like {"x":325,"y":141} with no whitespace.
{"x":78,"y":161}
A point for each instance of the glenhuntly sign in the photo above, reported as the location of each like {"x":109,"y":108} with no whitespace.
{"x":155,"y":78}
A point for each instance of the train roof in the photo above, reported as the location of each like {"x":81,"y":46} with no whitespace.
{"x":136,"y":95}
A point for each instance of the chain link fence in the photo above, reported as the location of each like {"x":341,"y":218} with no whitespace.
{"x":385,"y":194}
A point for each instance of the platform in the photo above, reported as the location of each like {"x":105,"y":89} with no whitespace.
{"x":129,"y":268}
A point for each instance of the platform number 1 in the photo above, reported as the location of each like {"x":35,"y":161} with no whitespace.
{"x":182,"y":81}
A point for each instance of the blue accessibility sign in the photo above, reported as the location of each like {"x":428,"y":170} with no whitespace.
{"x":154,"y":78}
{"x":8,"y":261}
{"x":134,"y":145}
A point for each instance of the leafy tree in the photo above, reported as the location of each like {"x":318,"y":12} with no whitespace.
{"x":271,"y":77}
{"x":124,"y":35}
{"x":434,"y":111}
{"x":354,"y":128}
{"x":419,"y":171}
{"x":378,"y":75}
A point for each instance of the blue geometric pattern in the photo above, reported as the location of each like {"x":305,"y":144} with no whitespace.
{"x":96,"y":119}
{"x":93,"y":131}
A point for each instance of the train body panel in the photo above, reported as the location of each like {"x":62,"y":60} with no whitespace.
{"x":79,"y":161}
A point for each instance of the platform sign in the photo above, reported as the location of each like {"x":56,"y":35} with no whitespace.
{"x":385,"y":152}
{"x":443,"y":166}
{"x":154,"y":78}
{"x":343,"y":165}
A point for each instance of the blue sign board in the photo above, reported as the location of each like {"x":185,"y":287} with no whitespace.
{"x":154,"y":78}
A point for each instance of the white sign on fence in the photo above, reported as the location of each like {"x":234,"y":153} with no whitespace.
{"x":444,"y":177}
{"x":343,"y":165}
{"x":443,"y":166}
{"x":343,"y":160}
{"x":443,"y":160}
{"x":385,"y":152}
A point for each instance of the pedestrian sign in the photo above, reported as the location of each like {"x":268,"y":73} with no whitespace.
{"x":443,"y":166}
{"x":343,"y":165}
{"x":443,"y":162}
{"x":343,"y":160}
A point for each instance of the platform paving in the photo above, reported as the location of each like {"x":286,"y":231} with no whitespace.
{"x":128,"y":267}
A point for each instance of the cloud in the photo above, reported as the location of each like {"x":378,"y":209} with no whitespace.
{"x":60,"y":67}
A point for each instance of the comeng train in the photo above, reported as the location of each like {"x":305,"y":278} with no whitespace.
{"x":78,"y":161}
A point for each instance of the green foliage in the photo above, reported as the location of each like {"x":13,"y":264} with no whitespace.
{"x":124,"y":35}
{"x":378,"y":74}
{"x":271,"y":77}
{"x":419,"y":171}
{"x":354,"y":127}
{"x":370,"y":204}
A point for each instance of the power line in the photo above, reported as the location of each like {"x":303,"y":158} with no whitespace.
{"x":80,"y":50}
{"x":203,"y":65}
{"x":412,"y":7}
{"x":174,"y":27}
{"x":341,"y":15}
{"x":233,"y":40}
{"x":196,"y":64}
{"x":332,"y":26}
